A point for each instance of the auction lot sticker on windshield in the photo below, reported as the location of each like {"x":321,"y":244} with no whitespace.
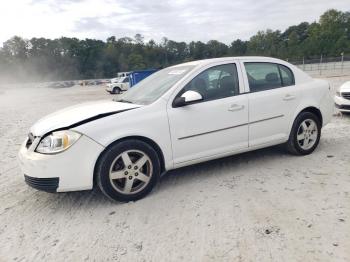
{"x":176,"y":72}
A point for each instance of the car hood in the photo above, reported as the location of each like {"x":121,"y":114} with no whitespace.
{"x":345,"y":87}
{"x":111,"y":85}
{"x":78,"y":114}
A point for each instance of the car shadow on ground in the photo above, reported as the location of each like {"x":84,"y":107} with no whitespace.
{"x":182,"y":175}
{"x":76,"y":199}
{"x":230,"y":164}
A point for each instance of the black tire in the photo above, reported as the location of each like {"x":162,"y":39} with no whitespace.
{"x":292,"y":144}
{"x":117,"y":90}
{"x":108,"y":159}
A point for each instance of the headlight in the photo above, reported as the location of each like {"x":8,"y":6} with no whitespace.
{"x":57,"y":142}
{"x":337,"y":93}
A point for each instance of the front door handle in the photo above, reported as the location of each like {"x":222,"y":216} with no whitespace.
{"x":288,"y":97}
{"x":235,"y":107}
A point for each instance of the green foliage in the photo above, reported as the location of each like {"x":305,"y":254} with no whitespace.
{"x":238,"y":48}
{"x":40,"y":59}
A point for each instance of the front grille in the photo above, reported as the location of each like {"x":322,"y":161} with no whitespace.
{"x":44,"y":184}
{"x":345,"y":107}
{"x":346,"y":95}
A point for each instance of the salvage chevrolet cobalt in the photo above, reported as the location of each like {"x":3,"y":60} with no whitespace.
{"x":181,"y":115}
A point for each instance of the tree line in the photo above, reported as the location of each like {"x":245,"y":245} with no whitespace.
{"x":41,"y":59}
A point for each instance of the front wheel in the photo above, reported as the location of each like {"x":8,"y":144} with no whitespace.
{"x":305,"y":134}
{"x":128,"y":170}
{"x":117,"y":90}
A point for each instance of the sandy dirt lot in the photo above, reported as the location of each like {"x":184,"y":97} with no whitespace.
{"x":259,"y":206}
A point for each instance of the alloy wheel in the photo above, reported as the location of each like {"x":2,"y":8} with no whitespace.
{"x":307,"y":134}
{"x":130,"y":172}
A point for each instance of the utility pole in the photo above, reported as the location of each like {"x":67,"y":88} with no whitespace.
{"x":342,"y":61}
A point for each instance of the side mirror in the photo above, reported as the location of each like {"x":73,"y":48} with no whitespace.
{"x":187,"y":98}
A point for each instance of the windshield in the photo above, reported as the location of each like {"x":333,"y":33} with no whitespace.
{"x":121,"y":80}
{"x":151,"y":88}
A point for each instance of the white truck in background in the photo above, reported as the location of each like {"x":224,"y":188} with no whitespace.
{"x":119,"y":84}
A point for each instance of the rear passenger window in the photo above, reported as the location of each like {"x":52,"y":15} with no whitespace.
{"x":265,"y":76}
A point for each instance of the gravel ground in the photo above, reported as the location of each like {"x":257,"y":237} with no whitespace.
{"x":260,"y":206}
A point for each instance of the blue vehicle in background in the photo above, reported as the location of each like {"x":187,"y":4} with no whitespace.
{"x":137,"y":76}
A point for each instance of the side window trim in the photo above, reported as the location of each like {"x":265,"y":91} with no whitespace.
{"x":280,"y":73}
{"x":291,"y":72}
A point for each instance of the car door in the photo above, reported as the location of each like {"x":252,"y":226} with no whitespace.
{"x":273,"y":99}
{"x":217,"y":124}
{"x":125,"y":83}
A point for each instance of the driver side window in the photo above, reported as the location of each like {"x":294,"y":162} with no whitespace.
{"x":215,"y":83}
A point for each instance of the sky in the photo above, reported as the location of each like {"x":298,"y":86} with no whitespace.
{"x":179,"y":20}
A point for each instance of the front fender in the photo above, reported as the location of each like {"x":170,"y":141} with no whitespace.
{"x":148,"y":121}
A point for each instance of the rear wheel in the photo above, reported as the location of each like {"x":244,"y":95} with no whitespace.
{"x":128,"y":170}
{"x":305,"y":134}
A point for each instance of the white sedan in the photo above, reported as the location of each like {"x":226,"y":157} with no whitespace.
{"x":342,"y":98}
{"x":179,"y":116}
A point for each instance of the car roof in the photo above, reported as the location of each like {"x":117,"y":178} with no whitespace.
{"x":299,"y":75}
{"x":224,"y":59}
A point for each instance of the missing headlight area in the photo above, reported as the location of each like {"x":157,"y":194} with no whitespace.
{"x":30,"y":140}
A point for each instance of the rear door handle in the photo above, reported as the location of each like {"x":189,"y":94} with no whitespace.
{"x":235,"y":107}
{"x":288,"y":97}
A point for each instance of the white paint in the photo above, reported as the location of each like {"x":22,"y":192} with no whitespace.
{"x":340,"y":100}
{"x":193,"y":133}
{"x":74,"y":114}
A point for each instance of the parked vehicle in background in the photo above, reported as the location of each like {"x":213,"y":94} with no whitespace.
{"x":106,"y":81}
{"x":178,"y":116}
{"x":114,"y":80}
{"x":118,"y":85}
{"x":95,"y":82}
{"x":137,"y":76}
{"x":61,"y":84}
{"x":91,"y":82}
{"x":342,"y":98}
{"x":125,"y":80}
